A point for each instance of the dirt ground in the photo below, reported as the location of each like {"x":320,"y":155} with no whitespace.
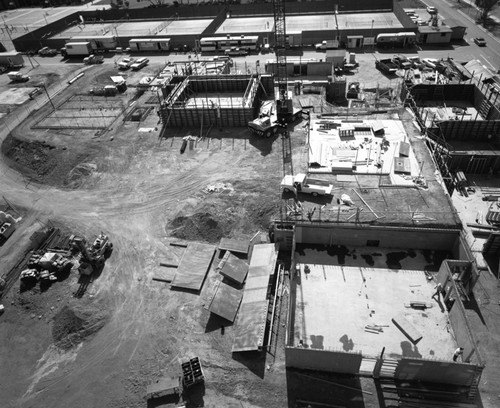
{"x":127,"y":330}
{"x":102,"y":350}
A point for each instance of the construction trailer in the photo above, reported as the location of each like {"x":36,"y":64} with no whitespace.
{"x":149,"y":44}
{"x":11,"y":59}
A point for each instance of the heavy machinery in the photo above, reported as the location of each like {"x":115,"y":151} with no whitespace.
{"x":271,"y":120}
{"x":45,"y":266}
{"x":94,"y":255}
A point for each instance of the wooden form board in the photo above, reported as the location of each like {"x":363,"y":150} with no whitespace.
{"x":234,"y":245}
{"x":407,"y":328}
{"x":252,"y":317}
{"x":194,"y":266}
{"x":225,"y":301}
{"x":233,"y":268}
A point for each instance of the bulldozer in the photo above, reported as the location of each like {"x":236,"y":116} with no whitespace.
{"x":94,"y":255}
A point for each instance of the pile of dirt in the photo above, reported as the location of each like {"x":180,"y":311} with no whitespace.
{"x":72,"y":325}
{"x":38,"y":157}
{"x":201,"y":226}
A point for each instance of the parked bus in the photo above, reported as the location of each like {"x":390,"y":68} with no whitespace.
{"x":149,"y":44}
{"x":215,"y":44}
{"x":396,"y":39}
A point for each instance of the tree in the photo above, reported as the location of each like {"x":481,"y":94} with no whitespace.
{"x":485,"y":7}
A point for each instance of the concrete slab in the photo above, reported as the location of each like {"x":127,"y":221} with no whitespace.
{"x":298,"y":24}
{"x":362,"y":149}
{"x":138,"y":29}
{"x":15,"y":96}
{"x":213,"y":99}
{"x":334,"y":304}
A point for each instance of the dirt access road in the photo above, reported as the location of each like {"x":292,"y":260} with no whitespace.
{"x":132,"y":188}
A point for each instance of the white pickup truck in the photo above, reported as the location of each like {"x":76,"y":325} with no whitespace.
{"x":327,"y":45}
{"x":302,"y":184}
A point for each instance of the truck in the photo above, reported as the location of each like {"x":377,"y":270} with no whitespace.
{"x":77,"y":49}
{"x":402,"y":62}
{"x":301,"y":183}
{"x":47,"y":52}
{"x":93,"y":59}
{"x":327,"y":45}
{"x":11,"y":59}
{"x":387,"y":66}
{"x":16,"y":76}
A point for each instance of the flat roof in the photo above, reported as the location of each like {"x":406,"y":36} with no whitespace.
{"x":137,"y":29}
{"x":298,"y":24}
{"x":335,"y":303}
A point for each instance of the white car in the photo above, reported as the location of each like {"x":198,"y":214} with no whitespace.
{"x":125,"y":63}
{"x":139,"y":63}
{"x":432,"y":10}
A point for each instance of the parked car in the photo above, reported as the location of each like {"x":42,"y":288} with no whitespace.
{"x":125,"y":63}
{"x":235,"y":51}
{"x":480,"y":41}
{"x":432,"y":10}
{"x":139,"y":63}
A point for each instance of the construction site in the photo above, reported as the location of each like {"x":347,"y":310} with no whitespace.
{"x":205,"y":231}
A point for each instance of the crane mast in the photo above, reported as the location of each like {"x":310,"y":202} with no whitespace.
{"x":284,"y":107}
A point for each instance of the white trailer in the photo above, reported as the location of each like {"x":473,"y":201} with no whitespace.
{"x":11,"y":59}
{"x":149,"y":44}
{"x":77,"y":49}
{"x":302,"y":184}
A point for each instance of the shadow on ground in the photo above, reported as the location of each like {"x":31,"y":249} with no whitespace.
{"x":311,"y":388}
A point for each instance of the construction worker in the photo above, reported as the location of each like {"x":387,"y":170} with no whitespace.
{"x":458,"y":352}
{"x":439,"y":290}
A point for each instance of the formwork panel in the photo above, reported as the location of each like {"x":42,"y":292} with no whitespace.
{"x":212,"y":100}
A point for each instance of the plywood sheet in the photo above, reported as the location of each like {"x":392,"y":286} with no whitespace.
{"x":194,"y":266}
{"x":407,"y":328}
{"x":225,"y":301}
{"x":234,"y":268}
{"x":234,"y":245}
{"x":252,"y":317}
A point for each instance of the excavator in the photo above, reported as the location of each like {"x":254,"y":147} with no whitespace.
{"x":94,"y":255}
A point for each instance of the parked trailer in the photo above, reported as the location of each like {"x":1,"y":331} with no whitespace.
{"x":215,"y":44}
{"x":98,"y":43}
{"x":11,"y":59}
{"x":149,"y":44}
{"x":77,"y":49}
{"x":396,"y":39}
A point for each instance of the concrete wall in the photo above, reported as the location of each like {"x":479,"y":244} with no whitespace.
{"x":388,"y":237}
{"x":319,"y":68}
{"x":323,"y":360}
{"x":435,"y":371}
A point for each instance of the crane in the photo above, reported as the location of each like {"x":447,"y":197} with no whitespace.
{"x":284,"y":107}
